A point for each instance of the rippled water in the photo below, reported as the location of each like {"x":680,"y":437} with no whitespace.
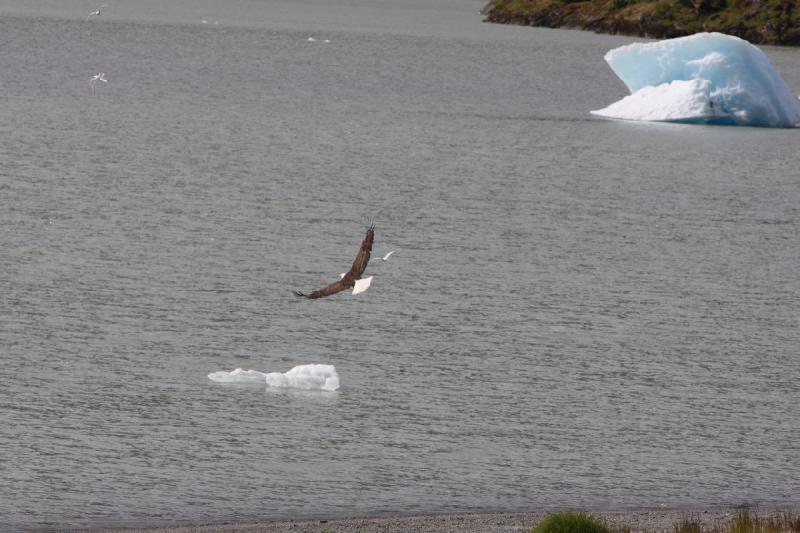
{"x":579,"y":312}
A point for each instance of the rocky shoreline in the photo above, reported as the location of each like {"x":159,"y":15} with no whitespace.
{"x":774,"y":22}
{"x":637,"y":520}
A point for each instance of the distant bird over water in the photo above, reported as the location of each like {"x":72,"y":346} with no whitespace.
{"x":387,"y":256}
{"x":352,"y":278}
{"x":100,"y":76}
{"x":96,"y":12}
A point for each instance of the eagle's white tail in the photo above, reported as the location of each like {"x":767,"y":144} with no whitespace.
{"x":362,"y":285}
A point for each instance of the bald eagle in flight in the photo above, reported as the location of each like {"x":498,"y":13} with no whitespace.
{"x":350,"y":278}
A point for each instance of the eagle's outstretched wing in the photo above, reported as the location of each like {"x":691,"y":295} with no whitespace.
{"x":333,"y":288}
{"x":361,"y":260}
{"x":349,"y":279}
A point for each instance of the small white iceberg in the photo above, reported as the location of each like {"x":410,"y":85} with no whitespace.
{"x":708,"y":78}
{"x":306,"y":377}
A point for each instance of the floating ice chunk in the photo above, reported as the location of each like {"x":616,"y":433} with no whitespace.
{"x":308,"y":377}
{"x":679,"y":101}
{"x":723,"y":80}
{"x":238,"y":376}
{"x":320,"y":377}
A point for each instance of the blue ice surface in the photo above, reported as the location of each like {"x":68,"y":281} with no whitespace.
{"x":742,"y":86}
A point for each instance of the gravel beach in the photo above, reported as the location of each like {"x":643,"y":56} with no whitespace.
{"x":638,"y":520}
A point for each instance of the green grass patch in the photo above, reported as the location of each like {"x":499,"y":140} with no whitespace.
{"x":748,"y":521}
{"x":688,"y":525}
{"x":570,"y":523}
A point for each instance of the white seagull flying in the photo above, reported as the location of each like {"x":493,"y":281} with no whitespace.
{"x":100,"y":76}
{"x":385,"y":257}
{"x":96,"y":12}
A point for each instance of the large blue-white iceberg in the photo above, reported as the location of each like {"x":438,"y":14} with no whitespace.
{"x":708,"y":78}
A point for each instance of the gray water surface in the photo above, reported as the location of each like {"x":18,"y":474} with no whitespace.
{"x":579,"y":312}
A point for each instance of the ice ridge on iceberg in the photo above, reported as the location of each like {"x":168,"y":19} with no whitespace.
{"x":709,"y":78}
{"x":307,"y":377}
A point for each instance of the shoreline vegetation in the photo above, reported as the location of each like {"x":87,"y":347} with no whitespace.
{"x":775,"y":22}
{"x":659,"y":520}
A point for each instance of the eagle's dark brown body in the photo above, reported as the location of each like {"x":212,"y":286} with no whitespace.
{"x":355,"y":272}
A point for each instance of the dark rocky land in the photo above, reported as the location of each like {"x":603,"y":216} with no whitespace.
{"x":758,"y":21}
